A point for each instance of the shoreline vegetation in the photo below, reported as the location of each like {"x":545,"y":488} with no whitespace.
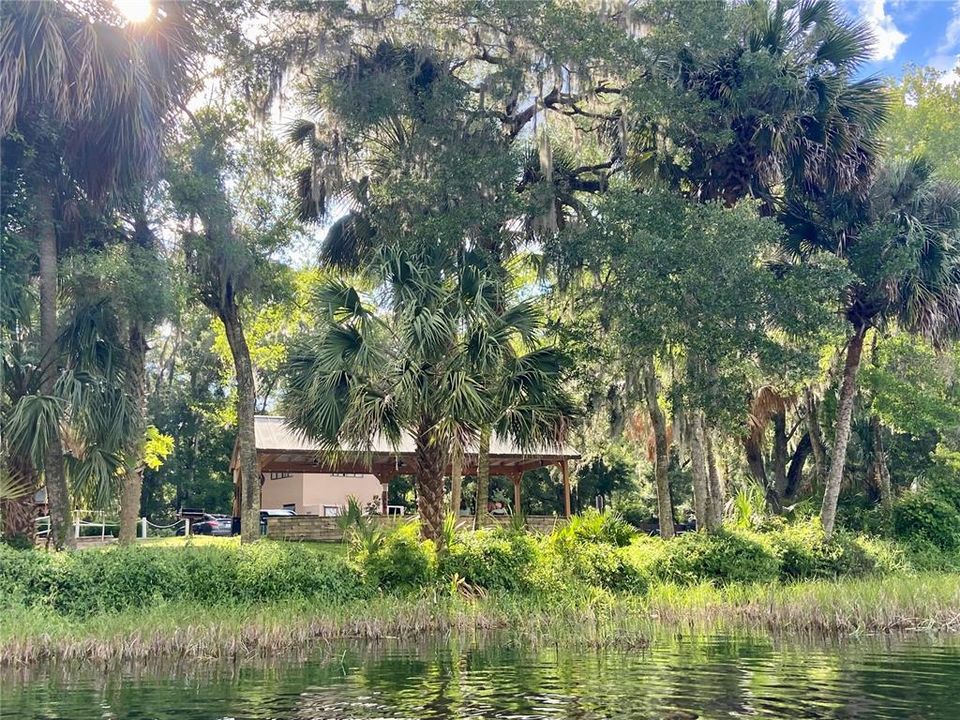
{"x":593,"y":582}
{"x":928,"y":602}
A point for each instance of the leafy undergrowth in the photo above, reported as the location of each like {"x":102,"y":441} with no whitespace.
{"x":924,"y":602}
{"x":593,"y":578}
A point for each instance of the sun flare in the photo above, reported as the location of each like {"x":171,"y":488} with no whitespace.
{"x":135,"y":10}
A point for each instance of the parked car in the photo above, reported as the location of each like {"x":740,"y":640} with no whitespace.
{"x":220,"y":525}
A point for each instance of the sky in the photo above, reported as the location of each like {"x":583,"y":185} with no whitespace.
{"x":918,"y":32}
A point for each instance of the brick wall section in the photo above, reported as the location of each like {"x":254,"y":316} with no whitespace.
{"x":324,"y":529}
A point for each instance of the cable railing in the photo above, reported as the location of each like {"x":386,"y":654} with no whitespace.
{"x":42,"y":525}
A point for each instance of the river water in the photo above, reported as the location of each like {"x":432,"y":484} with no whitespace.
{"x":675,"y":678}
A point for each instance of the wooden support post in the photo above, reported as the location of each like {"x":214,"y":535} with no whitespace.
{"x":516,"y":493}
{"x":384,"y":496}
{"x":566,"y":488}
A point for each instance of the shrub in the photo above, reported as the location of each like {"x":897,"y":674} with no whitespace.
{"x":401,"y":562}
{"x":922,"y":518}
{"x":99,"y":581}
{"x":599,"y":527}
{"x":637,"y":515}
{"x":272,"y":571}
{"x":946,"y":486}
{"x":803,"y":552}
{"x":726,"y":556}
{"x":493,"y":559}
{"x":25,"y":576}
{"x":569,"y":561}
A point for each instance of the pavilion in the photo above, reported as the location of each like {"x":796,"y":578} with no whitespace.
{"x":282,"y":450}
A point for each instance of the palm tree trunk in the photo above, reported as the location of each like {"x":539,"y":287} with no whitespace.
{"x":133,"y":477}
{"x":456,"y":479}
{"x":848,"y":391}
{"x":58,"y":494}
{"x":698,"y":468}
{"x":662,"y":456}
{"x":246,"y":409}
{"x":716,"y":493}
{"x":483,"y":477}
{"x":430,"y":485}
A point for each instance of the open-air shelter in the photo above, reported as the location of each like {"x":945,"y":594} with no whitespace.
{"x":281,"y":449}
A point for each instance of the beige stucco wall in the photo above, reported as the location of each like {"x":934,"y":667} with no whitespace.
{"x":310,"y":492}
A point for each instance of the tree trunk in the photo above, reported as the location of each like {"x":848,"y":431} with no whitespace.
{"x":662,"y":454}
{"x":716,"y":493}
{"x":817,"y":446}
{"x":848,"y":391}
{"x":58,"y":494}
{"x":880,"y":471}
{"x":483,"y":477}
{"x":430,"y":485}
{"x":456,"y":479}
{"x":246,"y":404}
{"x":754,"y":454}
{"x":797,"y":462}
{"x":779,"y":458}
{"x":133,"y":453}
{"x":698,"y":467}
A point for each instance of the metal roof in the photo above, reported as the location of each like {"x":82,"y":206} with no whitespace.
{"x":274,"y":435}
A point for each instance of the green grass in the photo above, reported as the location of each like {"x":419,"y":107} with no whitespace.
{"x":926,"y":601}
{"x":338,"y":549}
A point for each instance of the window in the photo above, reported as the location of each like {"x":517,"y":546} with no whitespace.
{"x":347,"y":474}
{"x":290,"y":506}
{"x":331,"y":510}
{"x":279,"y":475}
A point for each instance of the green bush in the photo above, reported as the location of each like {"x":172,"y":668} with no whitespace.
{"x":271,"y":571}
{"x":495,"y":559}
{"x":99,"y":581}
{"x":599,"y":527}
{"x":401,"y":562}
{"x":725,"y":557}
{"x":922,"y":518}
{"x":946,"y":486}
{"x":803,"y":552}
{"x":574,"y":560}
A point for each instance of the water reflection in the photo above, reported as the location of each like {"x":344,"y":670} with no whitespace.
{"x":676,"y":677}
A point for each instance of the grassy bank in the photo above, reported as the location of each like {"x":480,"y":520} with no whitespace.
{"x":594,"y":580}
{"x":924,"y":602}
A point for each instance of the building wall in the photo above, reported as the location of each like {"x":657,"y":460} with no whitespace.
{"x":277,"y":492}
{"x":325,"y":529}
{"x":318,"y":493}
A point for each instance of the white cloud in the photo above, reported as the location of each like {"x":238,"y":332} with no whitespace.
{"x":946,"y":56}
{"x":952,"y":77}
{"x":951,"y":39}
{"x":888,"y":36}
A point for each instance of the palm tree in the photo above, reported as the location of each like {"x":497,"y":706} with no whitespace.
{"x":902,"y":244}
{"x":777,"y":105}
{"x":89,"y":96}
{"x":507,"y":355}
{"x":409,"y":371}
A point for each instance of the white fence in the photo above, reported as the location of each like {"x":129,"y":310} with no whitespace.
{"x":43,"y":525}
